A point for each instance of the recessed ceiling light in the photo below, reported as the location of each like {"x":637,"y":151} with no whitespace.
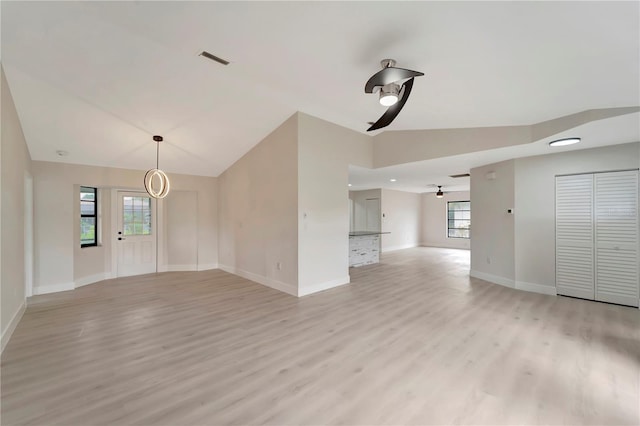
{"x":392,"y":180}
{"x":349,"y":185}
{"x":564,"y":142}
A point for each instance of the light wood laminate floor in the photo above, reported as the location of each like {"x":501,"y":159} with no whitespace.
{"x":413,"y":340}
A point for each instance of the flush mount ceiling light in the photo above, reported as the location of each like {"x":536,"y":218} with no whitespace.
{"x":564,"y":142}
{"x":392,"y":180}
{"x":439,"y":194}
{"x":156,"y":181}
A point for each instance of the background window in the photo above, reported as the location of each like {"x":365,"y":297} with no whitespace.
{"x":136,"y":215}
{"x":88,"y":216}
{"x":459,"y":219}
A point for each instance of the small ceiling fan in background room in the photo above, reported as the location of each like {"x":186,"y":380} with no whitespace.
{"x":439,"y":193}
{"x":392,"y":94}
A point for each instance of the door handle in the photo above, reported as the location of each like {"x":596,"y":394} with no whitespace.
{"x":121,"y":238}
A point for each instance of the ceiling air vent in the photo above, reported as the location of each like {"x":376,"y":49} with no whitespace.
{"x":460,"y":176}
{"x":214,"y":58}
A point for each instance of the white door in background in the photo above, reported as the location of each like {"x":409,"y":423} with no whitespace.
{"x":372,"y":205}
{"x":574,"y":236}
{"x":617,"y":272}
{"x":597,"y":237}
{"x":135,"y":234}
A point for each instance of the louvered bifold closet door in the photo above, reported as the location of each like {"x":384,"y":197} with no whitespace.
{"x":574,"y":236}
{"x":616,"y":237}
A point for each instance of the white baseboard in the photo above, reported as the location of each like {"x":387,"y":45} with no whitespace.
{"x":91,"y":279}
{"x":445,"y":245}
{"x":394,"y":248}
{"x":207,"y":266}
{"x":190,"y":267}
{"x":269,"y":282}
{"x":536,"y":288}
{"x":6,"y":333}
{"x":46,"y":289}
{"x":180,"y":268}
{"x":314,"y":288}
{"x":507,"y":282}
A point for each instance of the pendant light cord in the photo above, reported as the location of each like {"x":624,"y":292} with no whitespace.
{"x":156,"y":208}
{"x":156,"y":203}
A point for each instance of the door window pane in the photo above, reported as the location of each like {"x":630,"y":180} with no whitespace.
{"x":136,"y":215}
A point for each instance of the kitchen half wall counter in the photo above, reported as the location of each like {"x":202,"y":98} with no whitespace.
{"x":364,"y":247}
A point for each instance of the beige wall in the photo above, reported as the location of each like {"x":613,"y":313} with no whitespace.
{"x":325,"y":151}
{"x":521,"y":246}
{"x":492,"y":233}
{"x":181,"y":221}
{"x":434,"y":220}
{"x":284,"y":210}
{"x":401,"y":216}
{"x":360,"y":209}
{"x":535,"y":204}
{"x":60,"y":263}
{"x":15,"y":162}
{"x":408,"y":146}
{"x":258,"y":208}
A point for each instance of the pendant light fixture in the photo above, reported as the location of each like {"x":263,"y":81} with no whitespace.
{"x":439,"y":194}
{"x":156,"y":181}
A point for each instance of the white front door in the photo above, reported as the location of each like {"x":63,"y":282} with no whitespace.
{"x":136,"y":236}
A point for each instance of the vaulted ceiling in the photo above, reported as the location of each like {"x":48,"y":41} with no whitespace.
{"x":98,"y":79}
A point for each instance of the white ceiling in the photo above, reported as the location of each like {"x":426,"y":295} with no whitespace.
{"x":98,"y":79}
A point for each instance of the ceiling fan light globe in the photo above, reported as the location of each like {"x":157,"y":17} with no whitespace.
{"x":388,"y":99}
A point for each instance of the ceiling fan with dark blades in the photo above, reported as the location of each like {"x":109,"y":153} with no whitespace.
{"x":391,"y":93}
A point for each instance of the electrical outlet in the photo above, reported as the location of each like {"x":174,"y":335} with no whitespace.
{"x":488,"y":260}
{"x":279,"y":266}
